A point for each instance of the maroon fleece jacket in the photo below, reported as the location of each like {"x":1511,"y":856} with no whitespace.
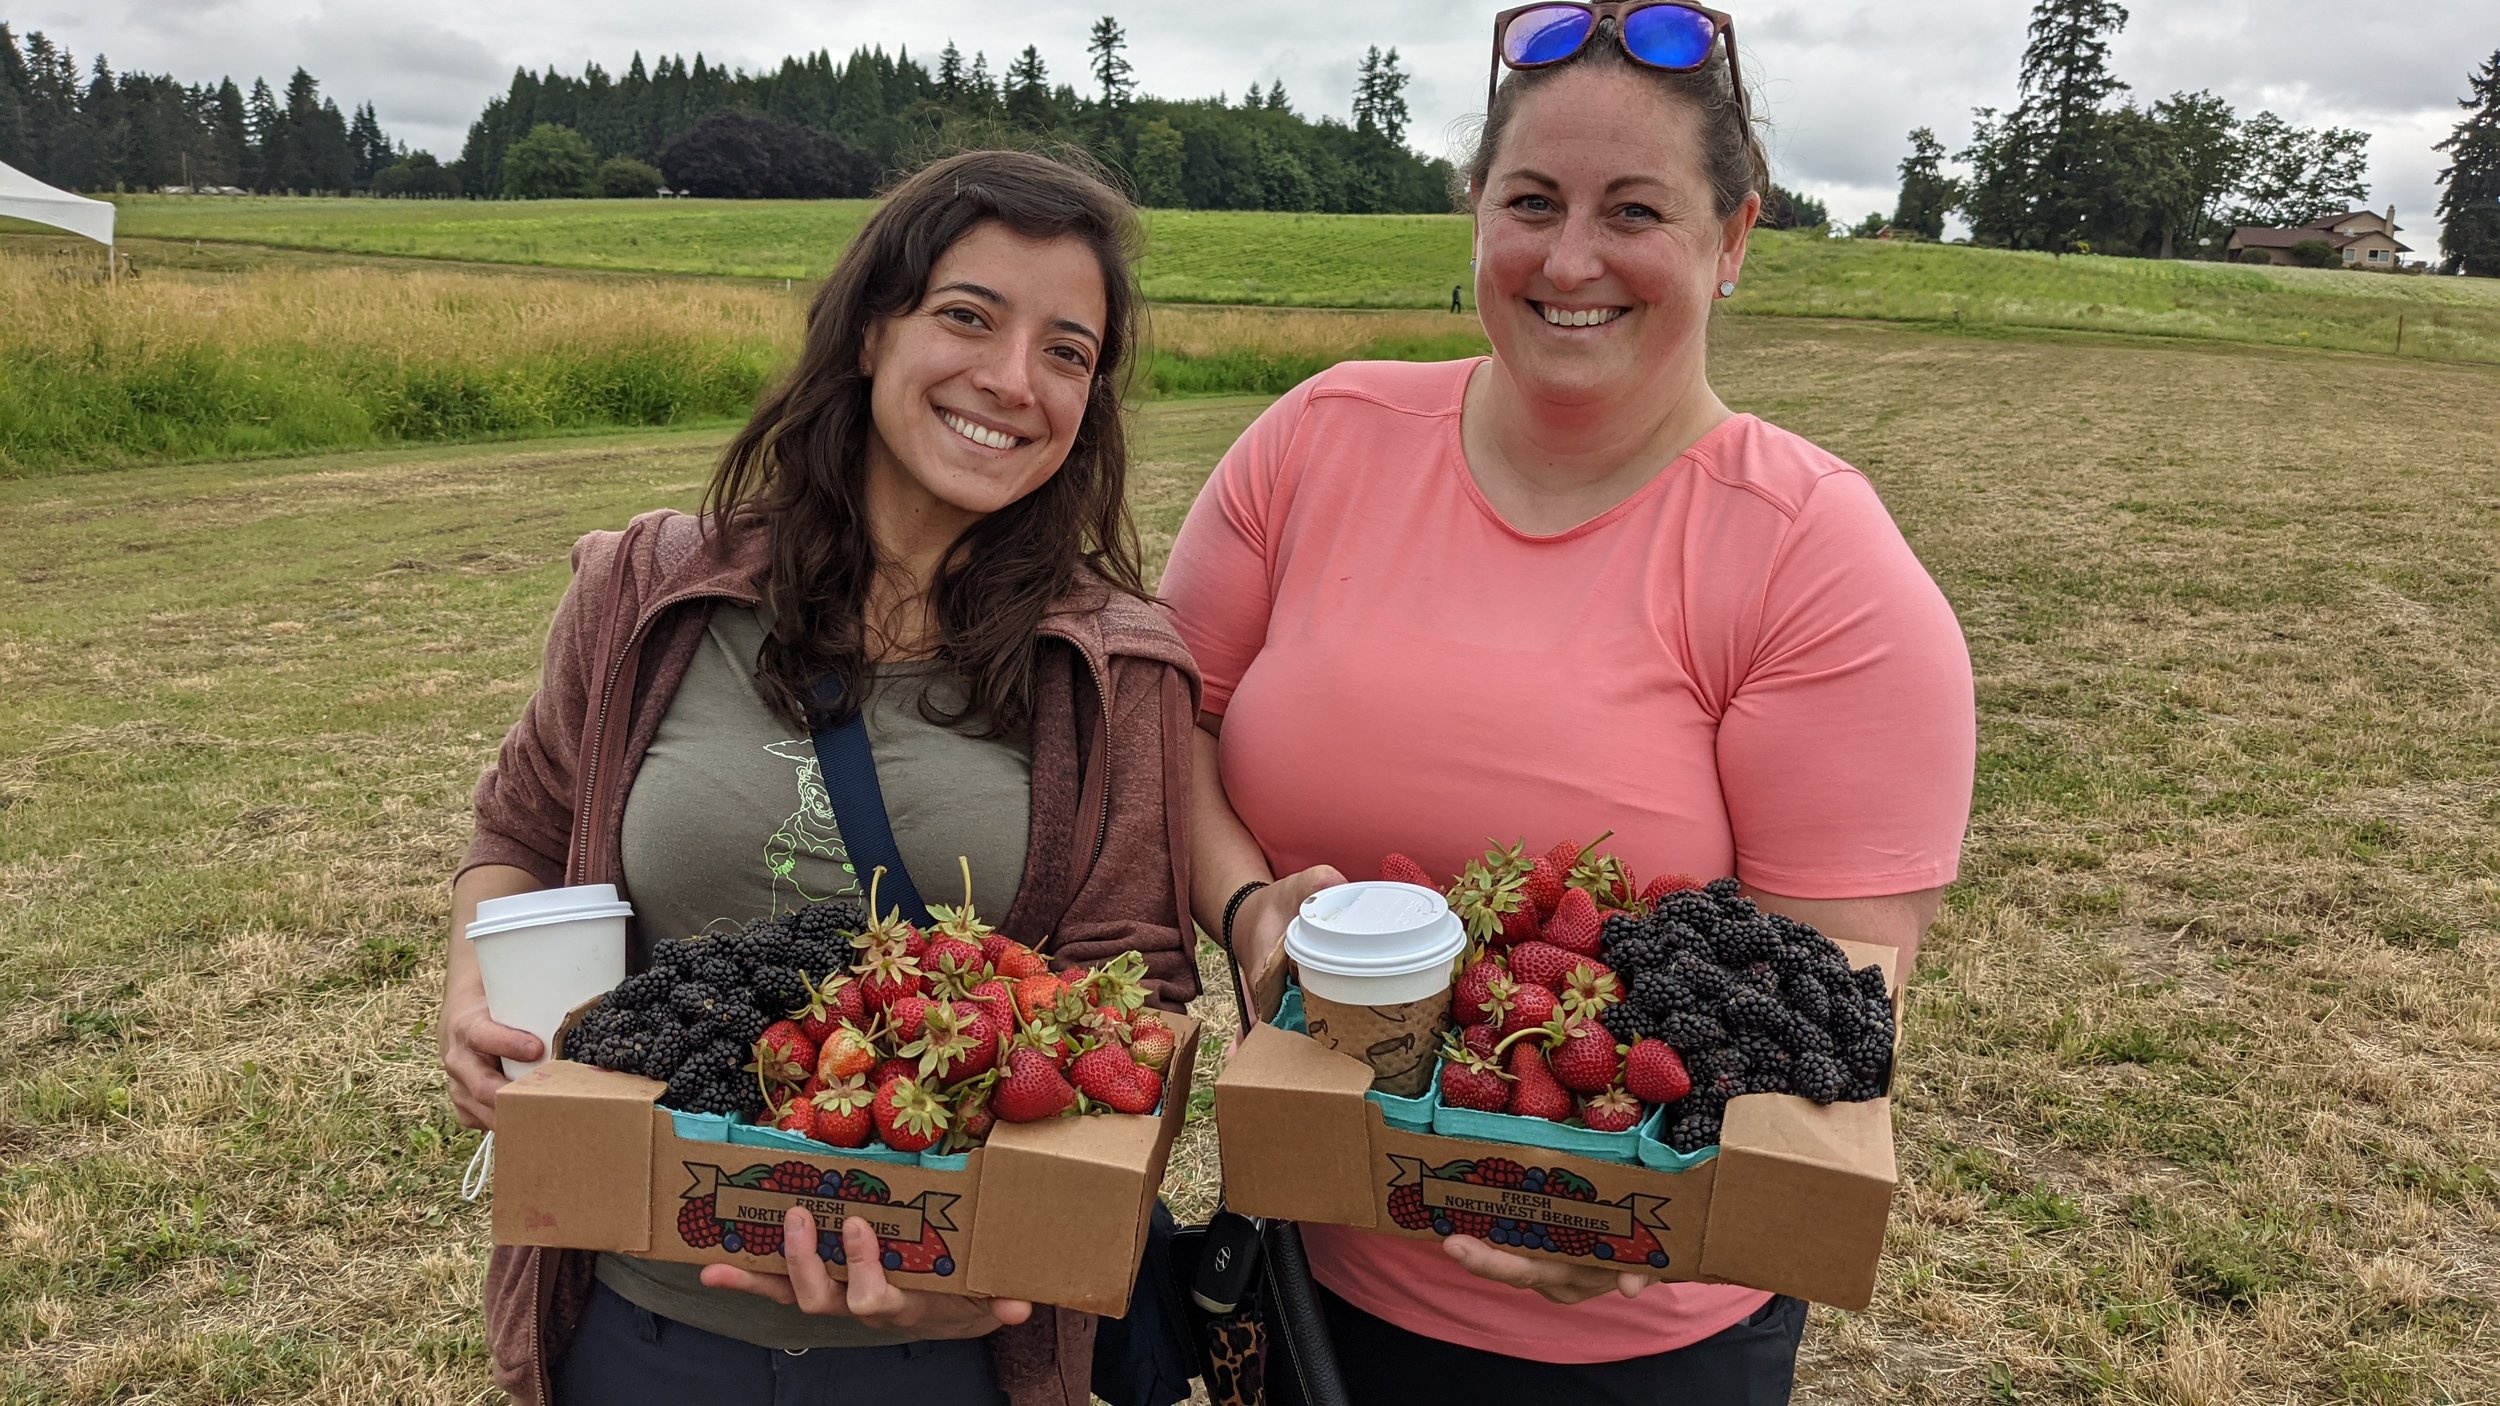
{"x":1106,"y":871}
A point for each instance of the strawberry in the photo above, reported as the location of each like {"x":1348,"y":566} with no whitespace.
{"x":1605,"y":878}
{"x":796,"y":1116}
{"x":1118,"y":985}
{"x":954,"y":965}
{"x":906,"y":1018}
{"x":784,"y":1057}
{"x":1398,"y":869}
{"x":1037,"y":994}
{"x":1472,"y":1080}
{"x":1151,"y":1041}
{"x":835,"y":1001}
{"x":1483,"y":1040}
{"x":1534,"y":1092}
{"x":1471,"y":993}
{"x":1613,"y":1111}
{"x":1519,"y":1006}
{"x":1096,"y":1070}
{"x":1655,"y":1073}
{"x":1566,"y":856}
{"x":1590,"y":987}
{"x":1584,"y":1056}
{"x":1544,"y":885}
{"x":1665,"y":884}
{"x":1012,"y":959}
{"x":1033,"y":1089}
{"x":909,"y":1118}
{"x":1576,"y":926}
{"x":1519,"y":924}
{"x":1543,"y":964}
{"x":955,"y":1043}
{"x":846,"y":1054}
{"x":841,"y":1113}
{"x":973,"y":1118}
{"x":889,"y":1070}
{"x":1144,"y":1092}
{"x":887,"y":974}
{"x":1488,"y":896}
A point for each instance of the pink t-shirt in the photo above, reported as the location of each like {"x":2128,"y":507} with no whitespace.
{"x":1739,"y":669}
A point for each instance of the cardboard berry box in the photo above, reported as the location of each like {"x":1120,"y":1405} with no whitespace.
{"x":1793,"y":1200}
{"x":1054,"y":1212}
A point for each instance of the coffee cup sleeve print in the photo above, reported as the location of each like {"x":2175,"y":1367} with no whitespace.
{"x":1848,"y":735}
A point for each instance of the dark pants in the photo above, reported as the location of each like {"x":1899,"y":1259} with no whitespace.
{"x":629,"y":1356}
{"x":1751,"y":1364}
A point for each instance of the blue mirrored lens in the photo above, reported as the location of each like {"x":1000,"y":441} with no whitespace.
{"x":1669,"y":36}
{"x":1546,"y":35}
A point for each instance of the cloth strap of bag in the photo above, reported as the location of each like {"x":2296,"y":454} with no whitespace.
{"x":850,"y":776}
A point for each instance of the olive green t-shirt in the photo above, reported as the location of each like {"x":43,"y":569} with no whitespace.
{"x":728,"y":821}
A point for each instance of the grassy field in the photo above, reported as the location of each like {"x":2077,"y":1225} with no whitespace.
{"x":246,"y":352}
{"x":2197,"y":1103}
{"x":1409,"y":261}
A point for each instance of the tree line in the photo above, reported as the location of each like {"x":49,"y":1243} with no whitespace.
{"x":817,"y":126}
{"x":2067,"y":170}
{"x":813,"y":127}
{"x":94,"y":129}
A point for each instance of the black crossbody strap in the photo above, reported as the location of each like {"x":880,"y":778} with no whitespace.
{"x":850,"y":775}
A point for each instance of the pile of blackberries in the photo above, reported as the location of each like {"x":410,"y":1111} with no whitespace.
{"x":692,"y":1017}
{"x":1754,"y":1002}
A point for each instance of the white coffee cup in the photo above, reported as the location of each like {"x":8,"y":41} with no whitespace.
{"x":1375,"y":943}
{"x":545,"y":952}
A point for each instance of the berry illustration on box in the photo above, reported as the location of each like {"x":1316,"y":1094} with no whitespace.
{"x":1506,"y":1203}
{"x":740,"y":1212}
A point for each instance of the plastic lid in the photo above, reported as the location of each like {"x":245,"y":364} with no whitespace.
{"x":543,"y":907}
{"x":1375,"y":928}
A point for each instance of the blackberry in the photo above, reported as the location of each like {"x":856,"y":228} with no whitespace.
{"x":820,"y":957}
{"x":1738,"y":944}
{"x":779,"y":989}
{"x":1706,"y":980}
{"x":1763,"y":1053}
{"x":1749,"y":1008}
{"x":641,"y":991}
{"x":1803,"y":993}
{"x":1725,"y":889}
{"x":1864,"y":1090}
{"x":1693,"y":1132}
{"x":1819,"y":1077}
{"x":717,"y":968}
{"x":1762,"y":1081}
{"x":696,"y":1003}
{"x":1625,"y":1022}
{"x":833,"y":916}
{"x":1723,"y":1061}
{"x":1690,"y":1031}
{"x":1870,"y":980}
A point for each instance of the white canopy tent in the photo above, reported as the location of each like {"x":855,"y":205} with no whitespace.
{"x":25,"y":198}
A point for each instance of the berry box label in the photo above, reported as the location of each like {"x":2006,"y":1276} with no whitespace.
{"x":1544,"y":1202}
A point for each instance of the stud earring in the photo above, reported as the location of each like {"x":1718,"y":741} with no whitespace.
{"x":1727,"y":290}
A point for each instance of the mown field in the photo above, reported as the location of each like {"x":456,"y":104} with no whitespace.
{"x":2197,"y":1102}
{"x":1409,"y":261}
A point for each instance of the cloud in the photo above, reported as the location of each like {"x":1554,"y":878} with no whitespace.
{"x":1842,"y":81}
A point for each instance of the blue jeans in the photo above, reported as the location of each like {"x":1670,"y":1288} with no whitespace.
{"x":630,"y":1356}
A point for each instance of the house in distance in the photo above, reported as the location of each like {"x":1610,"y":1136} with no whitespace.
{"x":2361,"y":239}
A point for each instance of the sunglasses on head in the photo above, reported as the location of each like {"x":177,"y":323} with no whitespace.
{"x":1663,"y":34}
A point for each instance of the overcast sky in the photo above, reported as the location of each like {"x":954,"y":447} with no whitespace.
{"x":1842,"y":81}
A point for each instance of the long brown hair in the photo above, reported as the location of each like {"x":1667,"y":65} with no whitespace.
{"x":800,"y":465}
{"x":1732,"y":154}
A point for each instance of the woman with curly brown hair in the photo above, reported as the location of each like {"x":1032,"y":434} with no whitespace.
{"x":925,"y":526}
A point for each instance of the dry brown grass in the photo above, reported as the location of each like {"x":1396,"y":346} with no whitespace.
{"x":2197,"y":1103}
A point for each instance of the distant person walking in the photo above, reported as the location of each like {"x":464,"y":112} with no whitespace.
{"x":1455,"y":304}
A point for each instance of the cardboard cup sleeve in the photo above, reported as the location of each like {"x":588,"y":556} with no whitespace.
{"x":1398,"y":1041}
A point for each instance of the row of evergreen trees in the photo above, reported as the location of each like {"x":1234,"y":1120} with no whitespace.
{"x":139,"y":131}
{"x":813,"y":126}
{"x":1212,"y":153}
{"x":2065,"y":170}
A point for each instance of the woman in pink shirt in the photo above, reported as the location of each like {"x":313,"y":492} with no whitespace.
{"x":1559,"y":591}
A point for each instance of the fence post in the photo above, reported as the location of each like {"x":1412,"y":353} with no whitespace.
{"x":2400,"y":334}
